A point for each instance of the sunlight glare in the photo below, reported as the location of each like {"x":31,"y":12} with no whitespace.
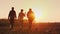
{"x":38,"y":14}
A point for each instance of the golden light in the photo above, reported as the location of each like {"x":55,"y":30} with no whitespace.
{"x":38,"y":14}
{"x":25,"y":18}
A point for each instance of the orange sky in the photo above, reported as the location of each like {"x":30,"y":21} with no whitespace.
{"x":50,"y":9}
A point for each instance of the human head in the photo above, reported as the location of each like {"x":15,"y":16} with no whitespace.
{"x":30,"y":9}
{"x":12,"y":8}
{"x":21,"y":10}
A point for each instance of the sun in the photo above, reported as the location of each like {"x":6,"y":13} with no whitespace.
{"x":38,"y":14}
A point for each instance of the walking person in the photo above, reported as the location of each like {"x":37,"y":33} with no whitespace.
{"x":11,"y":17}
{"x":20,"y":18}
{"x":30,"y":16}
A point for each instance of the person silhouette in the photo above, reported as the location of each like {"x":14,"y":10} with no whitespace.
{"x":11,"y":17}
{"x":30,"y":16}
{"x":20,"y":18}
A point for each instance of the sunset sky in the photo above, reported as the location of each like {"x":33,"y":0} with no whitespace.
{"x":49,"y":9}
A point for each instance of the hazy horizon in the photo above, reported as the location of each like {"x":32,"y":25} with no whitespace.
{"x":50,"y":9}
